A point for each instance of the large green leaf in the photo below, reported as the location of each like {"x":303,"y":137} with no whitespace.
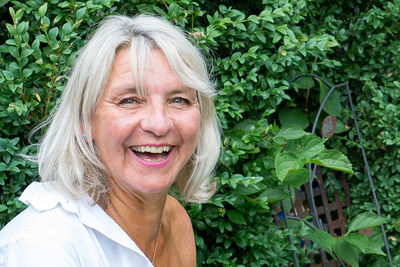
{"x":289,"y":117}
{"x":347,"y":251}
{"x":375,"y":243}
{"x":334,"y":160}
{"x":306,"y":147}
{"x":285,"y":162}
{"x":365,"y":220}
{"x":332,"y":105}
{"x":290,"y":132}
{"x":305,"y":82}
{"x":358,"y":239}
{"x":273,"y":195}
{"x":323,"y":239}
{"x":297,"y":178}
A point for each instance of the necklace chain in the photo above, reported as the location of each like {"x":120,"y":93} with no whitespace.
{"x":134,"y":237}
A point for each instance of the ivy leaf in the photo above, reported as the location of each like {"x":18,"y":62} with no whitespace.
{"x":365,"y":220}
{"x":332,"y":159}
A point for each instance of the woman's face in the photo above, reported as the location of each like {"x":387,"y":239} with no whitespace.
{"x":145,"y":141}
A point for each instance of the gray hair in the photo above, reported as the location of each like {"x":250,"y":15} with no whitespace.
{"x":65,"y":156}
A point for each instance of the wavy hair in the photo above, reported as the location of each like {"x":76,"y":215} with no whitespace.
{"x":65,"y":156}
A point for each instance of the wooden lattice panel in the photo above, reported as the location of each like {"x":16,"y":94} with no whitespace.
{"x":329,"y":211}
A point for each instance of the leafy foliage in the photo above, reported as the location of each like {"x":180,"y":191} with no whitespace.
{"x":255,"y":51}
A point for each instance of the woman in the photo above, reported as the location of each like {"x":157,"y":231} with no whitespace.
{"x":136,"y":117}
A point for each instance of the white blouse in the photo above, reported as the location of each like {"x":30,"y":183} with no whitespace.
{"x":56,"y":231}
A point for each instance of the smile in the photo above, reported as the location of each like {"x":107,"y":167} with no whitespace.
{"x":151,"y":154}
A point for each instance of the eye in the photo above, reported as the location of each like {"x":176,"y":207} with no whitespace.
{"x":180,"y":100}
{"x":129,"y":101}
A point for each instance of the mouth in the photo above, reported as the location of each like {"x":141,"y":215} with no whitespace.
{"x":151,"y":153}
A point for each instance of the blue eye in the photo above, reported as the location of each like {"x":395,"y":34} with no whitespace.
{"x":129,"y":101}
{"x":179,"y":100}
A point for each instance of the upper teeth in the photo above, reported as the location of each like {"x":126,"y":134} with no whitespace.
{"x":152,"y":149}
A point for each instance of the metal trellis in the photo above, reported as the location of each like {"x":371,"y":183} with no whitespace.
{"x":316,"y":221}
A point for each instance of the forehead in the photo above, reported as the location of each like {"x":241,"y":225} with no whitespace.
{"x":142,"y":72}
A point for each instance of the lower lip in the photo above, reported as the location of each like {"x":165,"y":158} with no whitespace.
{"x":149,"y":164}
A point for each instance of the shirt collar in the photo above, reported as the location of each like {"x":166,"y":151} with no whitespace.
{"x":46,"y":196}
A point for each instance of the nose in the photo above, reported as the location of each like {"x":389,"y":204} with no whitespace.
{"x":156,"y":120}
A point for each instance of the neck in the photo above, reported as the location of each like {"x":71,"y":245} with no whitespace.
{"x":139,"y":215}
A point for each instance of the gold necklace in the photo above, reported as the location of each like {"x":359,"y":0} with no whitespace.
{"x":134,"y":237}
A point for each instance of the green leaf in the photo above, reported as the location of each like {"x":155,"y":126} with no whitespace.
{"x":347,"y":251}
{"x":12,"y":12}
{"x":305,"y":82}
{"x":8,"y":74}
{"x":290,"y":132}
{"x":261,"y":37}
{"x":11,"y":29}
{"x":43,"y":10}
{"x":332,"y":159}
{"x":236,"y":217}
{"x":80,"y":13}
{"x":293,"y":117}
{"x":285,"y":162}
{"x":332,"y":105}
{"x":53,"y":33}
{"x":273,"y":195}
{"x":340,"y":127}
{"x":27,"y":73}
{"x":250,"y":189}
{"x":67,"y":28}
{"x":323,"y":239}
{"x":297,"y":178}
{"x":375,"y":243}
{"x":26,"y":52}
{"x":14,"y":52}
{"x":3,"y":207}
{"x":253,"y":18}
{"x":357,"y":239}
{"x":365,"y":220}
{"x":307,"y":146}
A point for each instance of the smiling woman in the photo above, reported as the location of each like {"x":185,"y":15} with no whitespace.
{"x":140,"y":94}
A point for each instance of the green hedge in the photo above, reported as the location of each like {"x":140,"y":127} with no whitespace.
{"x":255,"y":50}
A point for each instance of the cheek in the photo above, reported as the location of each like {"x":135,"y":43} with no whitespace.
{"x":108,"y":130}
{"x":191,"y":128}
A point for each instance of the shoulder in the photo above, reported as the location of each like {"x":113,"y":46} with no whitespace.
{"x":41,"y":224}
{"x":181,"y":231}
{"x":39,"y":236}
{"x":176,"y":212}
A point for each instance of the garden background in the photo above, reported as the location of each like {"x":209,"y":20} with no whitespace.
{"x":254,"y":49}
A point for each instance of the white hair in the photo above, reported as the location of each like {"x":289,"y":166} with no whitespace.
{"x":65,"y":156}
